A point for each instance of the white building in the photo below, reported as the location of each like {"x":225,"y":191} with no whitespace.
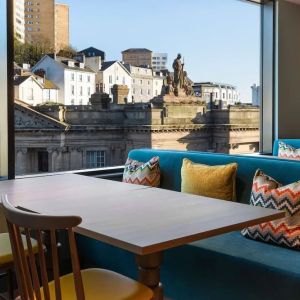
{"x":145,"y":84}
{"x":34,"y":89}
{"x":256,"y":95}
{"x":114,"y":72}
{"x":159,"y":61}
{"x":76,"y":81}
{"x":19,"y":20}
{"x":221,"y":94}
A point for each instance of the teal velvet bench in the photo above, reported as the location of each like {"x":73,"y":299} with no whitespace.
{"x":228,"y":266}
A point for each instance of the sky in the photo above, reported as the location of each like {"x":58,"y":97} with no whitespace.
{"x":219,"y":39}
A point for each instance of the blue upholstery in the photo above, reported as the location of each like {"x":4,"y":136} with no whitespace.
{"x":224,"y":267}
{"x":292,"y":142}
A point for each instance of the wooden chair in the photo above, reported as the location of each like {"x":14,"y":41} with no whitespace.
{"x":89,"y":284}
{"x":7,"y":261}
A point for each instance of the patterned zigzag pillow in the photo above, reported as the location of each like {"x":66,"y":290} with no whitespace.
{"x":267,"y":192}
{"x":288,"y":151}
{"x":142,"y":173}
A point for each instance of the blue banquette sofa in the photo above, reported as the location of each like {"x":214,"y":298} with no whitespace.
{"x":228,"y":266}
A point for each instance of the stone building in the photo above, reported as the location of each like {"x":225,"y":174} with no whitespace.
{"x":58,"y":138}
{"x":145,"y":83}
{"x":137,"y":57}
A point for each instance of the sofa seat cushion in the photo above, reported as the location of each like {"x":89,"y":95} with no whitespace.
{"x":271,"y":256}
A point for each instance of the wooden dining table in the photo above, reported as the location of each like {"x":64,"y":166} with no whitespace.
{"x":145,"y":221}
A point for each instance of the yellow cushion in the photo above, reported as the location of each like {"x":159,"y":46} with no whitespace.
{"x":102,"y":284}
{"x":210,"y":181}
{"x":6,"y":256}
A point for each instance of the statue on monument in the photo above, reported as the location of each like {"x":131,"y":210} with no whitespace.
{"x":179,"y":75}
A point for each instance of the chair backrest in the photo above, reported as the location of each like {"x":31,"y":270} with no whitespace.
{"x":28,"y":274}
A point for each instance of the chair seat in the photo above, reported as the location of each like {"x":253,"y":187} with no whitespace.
{"x":102,"y":284}
{"x":6,"y":256}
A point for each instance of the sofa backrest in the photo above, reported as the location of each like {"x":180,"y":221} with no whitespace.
{"x":284,"y":171}
{"x":292,"y":142}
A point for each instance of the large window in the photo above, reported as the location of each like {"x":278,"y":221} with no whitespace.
{"x":118,"y":97}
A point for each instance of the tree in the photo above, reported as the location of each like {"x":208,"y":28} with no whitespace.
{"x":68,"y":52}
{"x":31,"y":53}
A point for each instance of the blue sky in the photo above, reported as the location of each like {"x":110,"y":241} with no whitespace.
{"x":219,"y":39}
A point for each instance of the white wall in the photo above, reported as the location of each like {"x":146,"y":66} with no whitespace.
{"x":118,"y":76}
{"x":81,"y":83}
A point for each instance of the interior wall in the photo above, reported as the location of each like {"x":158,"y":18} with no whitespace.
{"x":287,"y":93}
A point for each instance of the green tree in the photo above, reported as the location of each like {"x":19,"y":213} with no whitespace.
{"x":31,"y":53}
{"x":68,"y":52}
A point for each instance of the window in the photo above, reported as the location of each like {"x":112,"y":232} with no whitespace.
{"x":95,"y":159}
{"x":144,"y":84}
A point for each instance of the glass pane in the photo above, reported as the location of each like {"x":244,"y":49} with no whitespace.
{"x":3,"y":93}
{"x":86,"y":107}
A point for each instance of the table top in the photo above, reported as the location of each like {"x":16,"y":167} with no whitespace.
{"x":136,"y":218}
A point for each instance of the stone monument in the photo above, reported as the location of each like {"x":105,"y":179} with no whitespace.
{"x":178,"y":88}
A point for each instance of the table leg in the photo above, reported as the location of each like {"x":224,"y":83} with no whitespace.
{"x":149,"y":272}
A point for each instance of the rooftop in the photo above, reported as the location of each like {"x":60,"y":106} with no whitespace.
{"x":136,"y":50}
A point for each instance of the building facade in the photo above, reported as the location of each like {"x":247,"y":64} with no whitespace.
{"x":19,"y":20}
{"x":111,"y":73}
{"x":145,"y":84}
{"x":217,"y":94}
{"x":61,"y":26}
{"x":42,"y":21}
{"x":76,"y":81}
{"x":35,"y":90}
{"x":48,"y":139}
{"x":159,"y":61}
{"x":137,"y":57}
{"x":256,"y":95}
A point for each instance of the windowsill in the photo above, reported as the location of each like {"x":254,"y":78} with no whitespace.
{"x":106,"y":172}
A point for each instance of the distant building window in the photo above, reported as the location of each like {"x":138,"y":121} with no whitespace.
{"x":72,"y":90}
{"x":30,"y":94}
{"x":156,"y":93}
{"x":123,"y":80}
{"x":141,"y":81}
{"x":89,"y":91}
{"x":72,"y":76}
{"x":133,"y":91}
{"x":141,"y":91}
{"x":95,"y":159}
{"x":223,"y":95}
{"x":81,"y":91}
{"x":110,"y":79}
{"x":133,"y":80}
{"x":149,"y":92}
{"x":148,"y":82}
{"x":80,"y":77}
{"x":89,"y":78}
{"x":72,"y":102}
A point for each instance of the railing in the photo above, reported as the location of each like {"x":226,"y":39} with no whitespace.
{"x":112,"y":173}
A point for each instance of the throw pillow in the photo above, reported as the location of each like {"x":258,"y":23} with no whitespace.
{"x":210,"y":181}
{"x":137,"y":172}
{"x":288,"y":151}
{"x":267,"y":192}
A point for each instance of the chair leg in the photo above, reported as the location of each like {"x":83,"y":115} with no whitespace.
{"x":10,"y":279}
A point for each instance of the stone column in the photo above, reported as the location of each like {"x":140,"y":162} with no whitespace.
{"x":120,"y":94}
{"x":21,"y":161}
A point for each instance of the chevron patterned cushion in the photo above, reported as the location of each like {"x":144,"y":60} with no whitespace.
{"x":267,"y":192}
{"x":288,"y":151}
{"x":142,"y":173}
